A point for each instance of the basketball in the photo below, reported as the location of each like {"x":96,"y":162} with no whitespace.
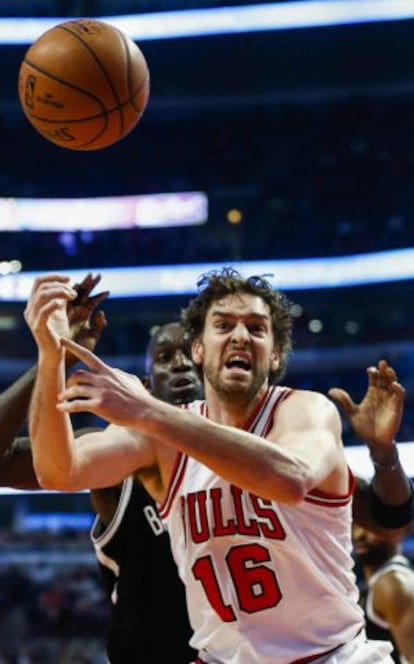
{"x":83,"y":84}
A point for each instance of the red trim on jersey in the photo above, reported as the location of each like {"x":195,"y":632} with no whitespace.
{"x":282,"y":396}
{"x":258,"y":409}
{"x":174,"y":484}
{"x":254,"y":416}
{"x":318,"y":497}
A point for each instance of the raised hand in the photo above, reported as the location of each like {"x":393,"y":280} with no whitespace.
{"x":112,"y":394}
{"x":86,"y":321}
{"x":377,"y":418}
{"x":46,"y":310}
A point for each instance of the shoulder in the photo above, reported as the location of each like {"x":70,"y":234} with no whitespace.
{"x":311,"y":405}
{"x":394,"y":592}
{"x":311,"y":397}
{"x":395,"y":587}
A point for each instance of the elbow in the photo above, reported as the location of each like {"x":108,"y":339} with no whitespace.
{"x":50,"y":483}
{"x":293,"y":483}
{"x":295,"y":491}
{"x":55,"y":482}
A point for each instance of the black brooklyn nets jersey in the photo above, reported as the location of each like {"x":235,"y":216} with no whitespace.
{"x":149,"y":623}
{"x":375,"y":627}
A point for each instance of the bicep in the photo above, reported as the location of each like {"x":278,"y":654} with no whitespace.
{"x":308,"y":426}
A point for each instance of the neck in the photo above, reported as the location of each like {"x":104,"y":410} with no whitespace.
{"x":369,"y":569}
{"x":229,"y":409}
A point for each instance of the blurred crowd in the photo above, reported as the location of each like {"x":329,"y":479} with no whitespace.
{"x":51,"y":611}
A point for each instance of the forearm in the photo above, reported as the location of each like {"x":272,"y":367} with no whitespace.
{"x":14,"y":405}
{"x":16,"y":467}
{"x":390,"y":483}
{"x":50,"y":430}
{"x":241,"y":458}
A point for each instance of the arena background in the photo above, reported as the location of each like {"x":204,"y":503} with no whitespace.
{"x":301,"y":141}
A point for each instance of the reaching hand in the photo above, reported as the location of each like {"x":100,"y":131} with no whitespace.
{"x":46,"y":310}
{"x":377,"y":419}
{"x":112,"y":394}
{"x":85,"y":320}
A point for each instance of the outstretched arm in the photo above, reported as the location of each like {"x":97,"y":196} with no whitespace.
{"x":46,"y":314}
{"x":385,"y":506}
{"x":284,"y":466}
{"x":85,"y":325}
{"x":14,"y":404}
{"x":58,"y":462}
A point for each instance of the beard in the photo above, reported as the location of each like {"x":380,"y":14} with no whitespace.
{"x":377,"y":555}
{"x":236,"y":391}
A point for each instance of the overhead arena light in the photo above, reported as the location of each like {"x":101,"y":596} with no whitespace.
{"x":177,"y":280}
{"x":227,"y":20}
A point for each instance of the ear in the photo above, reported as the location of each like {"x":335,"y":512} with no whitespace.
{"x":197,"y":351}
{"x":275,"y":360}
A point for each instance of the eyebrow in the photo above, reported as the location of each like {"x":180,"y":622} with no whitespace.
{"x":250,"y":315}
{"x":161,"y":342}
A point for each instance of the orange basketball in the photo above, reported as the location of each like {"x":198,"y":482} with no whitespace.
{"x":83,"y":84}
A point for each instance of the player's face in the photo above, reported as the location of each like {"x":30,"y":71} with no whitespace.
{"x":236,"y":349}
{"x":370,"y":549}
{"x":173,"y":376}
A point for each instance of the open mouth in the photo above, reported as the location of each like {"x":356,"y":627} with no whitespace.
{"x":181,"y":383}
{"x":238,"y":362}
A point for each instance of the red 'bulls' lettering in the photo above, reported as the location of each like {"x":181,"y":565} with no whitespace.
{"x":212,"y":513}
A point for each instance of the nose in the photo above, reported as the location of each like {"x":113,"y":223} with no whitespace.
{"x":181,"y":361}
{"x":240,"y":335}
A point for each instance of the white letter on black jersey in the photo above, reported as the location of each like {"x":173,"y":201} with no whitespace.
{"x":153,"y":519}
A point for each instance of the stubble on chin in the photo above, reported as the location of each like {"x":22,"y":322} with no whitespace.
{"x":236,"y":391}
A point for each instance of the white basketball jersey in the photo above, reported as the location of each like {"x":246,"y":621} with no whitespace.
{"x":266,"y":583}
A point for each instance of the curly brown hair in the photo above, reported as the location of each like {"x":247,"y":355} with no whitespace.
{"x":216,"y":284}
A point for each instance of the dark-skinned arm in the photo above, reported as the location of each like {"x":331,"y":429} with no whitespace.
{"x":14,"y":404}
{"x":86,"y":324}
{"x":385,"y":505}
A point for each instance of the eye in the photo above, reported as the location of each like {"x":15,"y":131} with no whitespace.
{"x":222,"y":326}
{"x":163,"y":357}
{"x":258,"y":329}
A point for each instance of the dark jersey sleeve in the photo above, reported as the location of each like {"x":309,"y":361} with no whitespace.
{"x":149,"y":617}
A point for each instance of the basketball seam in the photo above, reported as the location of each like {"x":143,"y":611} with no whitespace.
{"x":84,"y":118}
{"x":100,"y":65}
{"x":128,"y":63}
{"x":129,"y":77}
